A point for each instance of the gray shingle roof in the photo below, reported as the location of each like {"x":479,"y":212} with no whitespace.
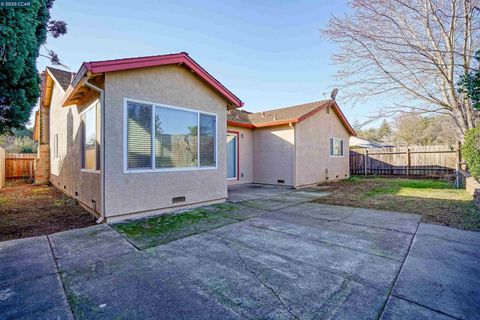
{"x":287,"y":113}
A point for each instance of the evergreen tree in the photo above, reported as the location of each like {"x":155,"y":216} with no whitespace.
{"x":23,"y":30}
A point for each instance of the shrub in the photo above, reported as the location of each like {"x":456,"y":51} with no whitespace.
{"x":471,"y":151}
{"x":22,"y":144}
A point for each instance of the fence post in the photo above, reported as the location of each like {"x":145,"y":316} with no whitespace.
{"x":365,"y":156}
{"x":459,"y":152}
{"x":457,"y":165}
{"x":408,"y":161}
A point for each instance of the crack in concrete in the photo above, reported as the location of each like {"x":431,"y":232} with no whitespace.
{"x":380,"y":314}
{"x":51,"y":245}
{"x":329,"y":243}
{"x":337,"y":273}
{"x":256,"y":276}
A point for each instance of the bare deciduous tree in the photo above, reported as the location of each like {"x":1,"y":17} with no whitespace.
{"x":413,"y":51}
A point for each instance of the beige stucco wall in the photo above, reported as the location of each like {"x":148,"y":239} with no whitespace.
{"x":312,"y":149}
{"x":65,"y":172}
{"x":152,"y":192}
{"x":273,"y":155}
{"x":246,"y":155}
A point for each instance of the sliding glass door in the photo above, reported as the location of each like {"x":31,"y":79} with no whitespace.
{"x":232,"y":156}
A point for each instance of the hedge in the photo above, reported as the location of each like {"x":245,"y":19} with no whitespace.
{"x":471,"y":151}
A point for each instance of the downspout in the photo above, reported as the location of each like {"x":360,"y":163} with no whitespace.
{"x":102,"y":146}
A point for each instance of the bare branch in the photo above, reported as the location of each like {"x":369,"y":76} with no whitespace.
{"x":409,"y":49}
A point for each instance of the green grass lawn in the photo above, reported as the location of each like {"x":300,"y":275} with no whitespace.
{"x":436,"y":200}
{"x":149,"y":232}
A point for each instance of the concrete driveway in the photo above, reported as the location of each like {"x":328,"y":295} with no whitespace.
{"x":292,"y":260}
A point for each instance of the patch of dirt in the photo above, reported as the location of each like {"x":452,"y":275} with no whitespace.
{"x":27,"y":211}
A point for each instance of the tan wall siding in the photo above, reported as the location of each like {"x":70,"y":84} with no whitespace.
{"x":312,"y":149}
{"x":246,"y":155}
{"x":127,"y":193}
{"x":273,"y":155}
{"x":65,"y":172}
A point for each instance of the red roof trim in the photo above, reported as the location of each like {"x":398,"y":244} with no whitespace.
{"x":153,"y":61}
{"x":339,"y":112}
{"x":344,"y":119}
{"x":333,"y":104}
{"x":260,"y":125}
{"x":276,"y":123}
{"x":239,"y":124}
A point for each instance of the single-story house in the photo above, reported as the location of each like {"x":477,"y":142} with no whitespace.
{"x":360,"y":143}
{"x":296,"y":146}
{"x":142,"y":136}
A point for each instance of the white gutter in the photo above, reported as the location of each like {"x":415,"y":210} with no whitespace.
{"x":102,"y":146}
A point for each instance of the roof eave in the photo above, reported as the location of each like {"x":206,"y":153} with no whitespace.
{"x":339,"y":112}
{"x":154,"y":61}
{"x":240,"y":124}
{"x":275,"y":123}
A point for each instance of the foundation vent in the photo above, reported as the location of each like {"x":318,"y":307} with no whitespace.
{"x":178,"y":199}
{"x":280,"y":181}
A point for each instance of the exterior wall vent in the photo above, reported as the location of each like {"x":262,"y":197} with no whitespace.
{"x":280,"y":181}
{"x":178,"y":199}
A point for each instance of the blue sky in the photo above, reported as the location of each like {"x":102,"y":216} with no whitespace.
{"x":269,"y":53}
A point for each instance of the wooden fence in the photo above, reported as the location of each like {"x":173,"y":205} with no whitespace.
{"x":415,"y":161}
{"x":20,"y":165}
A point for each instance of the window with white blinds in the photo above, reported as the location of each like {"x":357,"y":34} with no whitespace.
{"x":164,"y":138}
{"x":139,"y":142}
{"x":336,"y":147}
{"x":208,"y":125}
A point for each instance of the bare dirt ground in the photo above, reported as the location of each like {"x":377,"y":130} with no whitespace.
{"x":27,"y":211}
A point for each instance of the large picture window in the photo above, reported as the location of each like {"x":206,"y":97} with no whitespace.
{"x":90,"y":151}
{"x":336,"y":147}
{"x":161,"y":138}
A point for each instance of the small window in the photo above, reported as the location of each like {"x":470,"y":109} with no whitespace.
{"x":55,"y":146}
{"x":162,"y":138}
{"x":90,"y":150}
{"x":336,"y":147}
{"x":208,"y":128}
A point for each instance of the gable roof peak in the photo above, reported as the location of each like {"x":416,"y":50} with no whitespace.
{"x":62,"y":77}
{"x":182,"y":59}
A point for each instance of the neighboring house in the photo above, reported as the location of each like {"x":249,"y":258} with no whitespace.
{"x":141,"y":136}
{"x":295,"y":146}
{"x":359,"y":143}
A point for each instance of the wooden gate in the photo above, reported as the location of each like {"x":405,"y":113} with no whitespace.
{"x":20,"y":165}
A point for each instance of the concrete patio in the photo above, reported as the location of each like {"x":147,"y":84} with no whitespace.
{"x":292,"y":259}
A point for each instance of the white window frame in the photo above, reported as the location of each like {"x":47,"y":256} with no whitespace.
{"x":154,"y":169}
{"x":93,"y":105}
{"x":237,"y":140}
{"x":343,"y":147}
{"x":55,"y":147}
